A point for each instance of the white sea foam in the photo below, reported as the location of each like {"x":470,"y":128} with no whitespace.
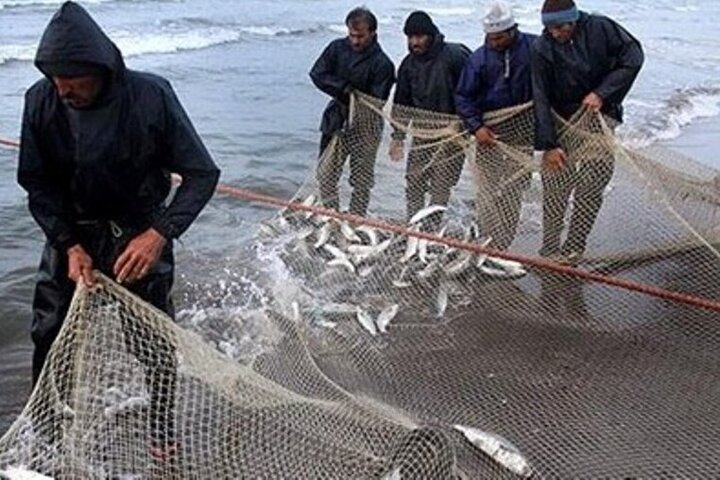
{"x":680,"y":110}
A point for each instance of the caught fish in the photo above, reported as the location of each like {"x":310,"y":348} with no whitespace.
{"x":296,"y":311}
{"x":508,"y":265}
{"x":349,"y":234}
{"x":335,"y":251}
{"x":305,"y":233}
{"x":442,"y":300}
{"x":309,"y":202}
{"x":20,"y":473}
{"x":426,"y":212}
{"x":400,"y":282}
{"x":429,"y":270}
{"x":369,"y":232}
{"x":386,"y":316}
{"x":323,"y":236}
{"x":423,"y":250}
{"x":366,"y":271}
{"x":460,"y":264}
{"x":342,"y":262}
{"x":499,"y":449}
{"x":411,"y":248}
{"x":482,"y":258}
{"x":393,"y":475}
{"x":366,"y":321}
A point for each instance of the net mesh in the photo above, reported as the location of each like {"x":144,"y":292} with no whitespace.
{"x":426,"y":339}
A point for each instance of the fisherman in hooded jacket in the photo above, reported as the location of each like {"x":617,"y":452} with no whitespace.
{"x":98,"y":144}
{"x":581,"y":61}
{"x":427,"y":78}
{"x":354,"y":63}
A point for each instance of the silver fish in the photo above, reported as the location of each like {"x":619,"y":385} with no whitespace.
{"x":429,"y":270}
{"x":349,"y":234}
{"x":20,"y":473}
{"x":323,"y":236}
{"x":426,"y":212}
{"x":442,"y":300}
{"x":482,"y":258}
{"x":499,"y":449}
{"x":411,"y":249}
{"x":309,"y":202}
{"x":366,"y":271}
{"x":392,"y":475}
{"x":305,"y":233}
{"x":296,"y":311}
{"x":370,"y":232}
{"x":386,"y":316}
{"x":342,"y":262}
{"x":400,"y":282}
{"x":460,"y":264}
{"x":335,"y":251}
{"x":366,"y":321}
{"x":422,"y":250}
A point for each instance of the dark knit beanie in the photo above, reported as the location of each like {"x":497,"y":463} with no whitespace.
{"x":420,"y":23}
{"x":555,"y":12}
{"x":72,"y":69}
{"x":556,"y":5}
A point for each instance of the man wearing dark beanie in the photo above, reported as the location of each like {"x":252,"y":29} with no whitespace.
{"x":427,"y":78}
{"x":581,"y":62}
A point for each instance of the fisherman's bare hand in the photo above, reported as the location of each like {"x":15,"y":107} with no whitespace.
{"x":593,"y":102}
{"x":80,"y":266}
{"x":485,"y":136}
{"x":554,"y":160}
{"x":397,"y":150}
{"x":139,"y":257}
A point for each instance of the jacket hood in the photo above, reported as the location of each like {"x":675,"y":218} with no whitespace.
{"x":73,"y":36}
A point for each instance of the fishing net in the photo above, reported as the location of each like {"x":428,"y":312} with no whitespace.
{"x":427,"y":338}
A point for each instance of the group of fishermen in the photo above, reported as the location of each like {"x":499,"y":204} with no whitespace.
{"x":99,"y":142}
{"x":580,"y":61}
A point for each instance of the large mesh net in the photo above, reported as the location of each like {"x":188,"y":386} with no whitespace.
{"x":427,"y":338}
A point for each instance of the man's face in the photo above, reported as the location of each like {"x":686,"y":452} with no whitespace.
{"x":78,"y":92}
{"x":563,"y":32}
{"x":360,"y":36}
{"x":500,"y":41}
{"x":419,"y":44}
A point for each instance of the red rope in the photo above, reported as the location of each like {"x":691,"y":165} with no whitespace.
{"x":9,"y":143}
{"x":539,"y":263}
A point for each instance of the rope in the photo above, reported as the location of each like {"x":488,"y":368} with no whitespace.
{"x":538,"y":263}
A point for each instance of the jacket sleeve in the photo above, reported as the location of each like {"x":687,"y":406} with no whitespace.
{"x":467,"y":93}
{"x":323,"y":76}
{"x":629,"y":59}
{"x":188,"y":157}
{"x":545,"y":133}
{"x":403,"y":98}
{"x":383,"y":79}
{"x":48,"y":195}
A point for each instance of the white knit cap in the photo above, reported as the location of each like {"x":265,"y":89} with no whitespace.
{"x":498,"y":18}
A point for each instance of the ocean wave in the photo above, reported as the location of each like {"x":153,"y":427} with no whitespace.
{"x":41,"y":3}
{"x":131,"y":44}
{"x":670,"y":117}
{"x":450,"y":11}
{"x":280,"y":31}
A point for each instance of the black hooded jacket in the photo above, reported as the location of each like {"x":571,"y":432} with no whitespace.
{"x":339,"y":70}
{"x":428,"y":81}
{"x":602,"y":57}
{"x":111,"y":161}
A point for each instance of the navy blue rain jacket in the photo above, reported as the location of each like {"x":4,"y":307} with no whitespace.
{"x":113,"y":160}
{"x":339,"y":70}
{"x":492,"y":80}
{"x":602,"y":57}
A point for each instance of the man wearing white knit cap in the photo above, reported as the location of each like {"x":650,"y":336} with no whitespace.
{"x":497,"y":76}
